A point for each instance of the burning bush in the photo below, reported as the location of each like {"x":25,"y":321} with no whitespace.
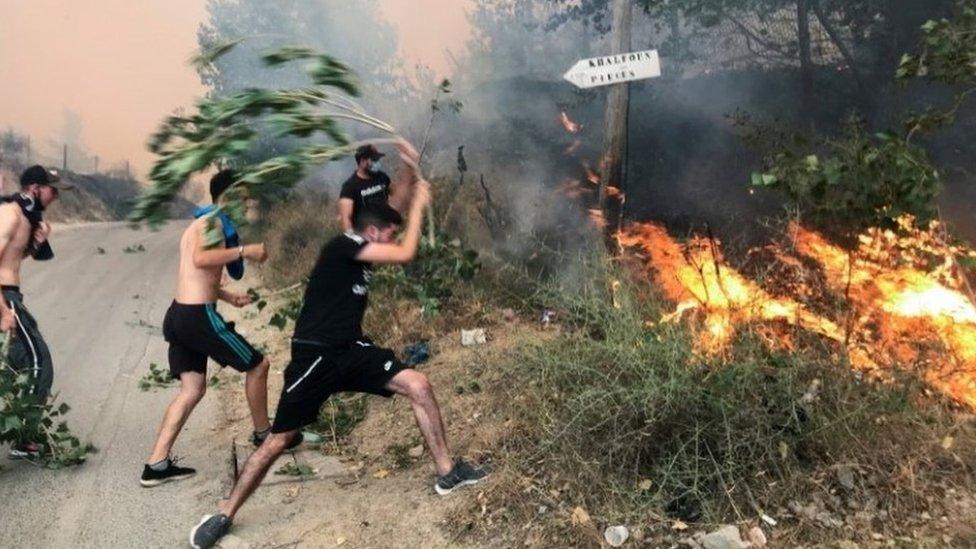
{"x":629,"y":421}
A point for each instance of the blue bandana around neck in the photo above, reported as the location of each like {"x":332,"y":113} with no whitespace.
{"x":235,"y":268}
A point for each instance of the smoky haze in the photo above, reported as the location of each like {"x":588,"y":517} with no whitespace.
{"x":121,"y":66}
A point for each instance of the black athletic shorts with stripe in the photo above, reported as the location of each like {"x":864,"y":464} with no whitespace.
{"x":316,"y":372}
{"x":195,"y":332}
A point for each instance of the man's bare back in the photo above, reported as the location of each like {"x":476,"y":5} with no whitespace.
{"x":197,"y":285}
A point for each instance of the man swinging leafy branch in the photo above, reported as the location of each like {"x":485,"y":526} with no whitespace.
{"x":329,"y":351}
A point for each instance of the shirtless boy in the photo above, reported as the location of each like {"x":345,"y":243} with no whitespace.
{"x":196,"y":331}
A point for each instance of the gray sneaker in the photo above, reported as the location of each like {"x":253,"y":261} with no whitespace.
{"x":461,"y":475}
{"x":210,"y":529}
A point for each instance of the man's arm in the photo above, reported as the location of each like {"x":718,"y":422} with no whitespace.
{"x":204,"y":257}
{"x":405,"y":250}
{"x":345,"y":213}
{"x":9,"y":221}
{"x":234,"y":298}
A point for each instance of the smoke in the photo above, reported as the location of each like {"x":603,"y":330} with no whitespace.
{"x":687,"y":165}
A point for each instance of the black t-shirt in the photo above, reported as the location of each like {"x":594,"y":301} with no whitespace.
{"x":376,"y":189}
{"x":336,"y":296}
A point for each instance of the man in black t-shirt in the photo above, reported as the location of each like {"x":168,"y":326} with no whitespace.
{"x":368,"y":185}
{"x":330,"y":354}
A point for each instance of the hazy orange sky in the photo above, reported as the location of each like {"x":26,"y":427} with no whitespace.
{"x":121,"y":64}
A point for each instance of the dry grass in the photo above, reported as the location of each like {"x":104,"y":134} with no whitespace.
{"x":295,"y":231}
{"x":605,"y":413}
{"x":625,"y":421}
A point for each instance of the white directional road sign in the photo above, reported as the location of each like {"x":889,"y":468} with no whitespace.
{"x":614,"y":69}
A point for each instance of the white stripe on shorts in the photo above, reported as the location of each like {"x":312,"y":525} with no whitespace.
{"x":310,"y":368}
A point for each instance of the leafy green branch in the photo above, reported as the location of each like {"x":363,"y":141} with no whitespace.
{"x":859,"y":180}
{"x":224,"y":129}
{"x":947,"y":56}
{"x":24,"y":420}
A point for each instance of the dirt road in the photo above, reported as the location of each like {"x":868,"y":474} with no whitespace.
{"x":101,"y":314}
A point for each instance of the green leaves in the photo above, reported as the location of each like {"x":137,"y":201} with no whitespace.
{"x":763,"y":179}
{"x":286,"y":54}
{"x":24,"y":419}
{"x":430,"y":279}
{"x":859,"y":181}
{"x":156,"y":377}
{"x":224,"y":130}
{"x":947,"y":56}
{"x":290,"y":311}
{"x":213,"y":52}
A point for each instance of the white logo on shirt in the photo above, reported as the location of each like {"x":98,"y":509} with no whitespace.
{"x":369,"y":191}
{"x":388,"y":365}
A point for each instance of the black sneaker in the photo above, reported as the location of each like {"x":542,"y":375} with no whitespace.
{"x":210,"y":529}
{"x":151,"y":477}
{"x":461,"y":475}
{"x":257,"y":439}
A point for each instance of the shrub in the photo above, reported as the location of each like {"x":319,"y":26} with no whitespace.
{"x":623,"y":419}
{"x":23,"y":419}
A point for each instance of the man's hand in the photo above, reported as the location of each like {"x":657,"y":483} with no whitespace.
{"x":256,"y":253}
{"x":237,"y":300}
{"x":42,"y":233}
{"x":410,"y":158}
{"x":421,"y":195}
{"x":7,"y":320}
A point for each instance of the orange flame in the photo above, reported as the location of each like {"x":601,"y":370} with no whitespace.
{"x":591,"y":175}
{"x":574,"y":189}
{"x":907,"y":304}
{"x":567,"y":122}
{"x":904,"y":313}
{"x":695,"y":276}
{"x":598,"y":219}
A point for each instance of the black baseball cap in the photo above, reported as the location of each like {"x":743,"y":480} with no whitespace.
{"x":40,"y":175}
{"x":368,"y":151}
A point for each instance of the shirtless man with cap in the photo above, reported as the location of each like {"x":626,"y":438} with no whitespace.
{"x":23,"y":233}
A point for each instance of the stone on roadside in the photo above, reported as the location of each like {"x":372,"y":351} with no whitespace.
{"x":416,"y":451}
{"x":757,"y":537}
{"x":580,"y":516}
{"x":726,"y":537}
{"x":473,"y":337}
{"x":616,"y":535}
{"x":845,"y":476}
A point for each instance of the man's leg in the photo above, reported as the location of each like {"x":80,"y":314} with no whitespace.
{"x":414,"y":385}
{"x":28,"y":352}
{"x":45,"y":379}
{"x":255,"y":468}
{"x":256,"y":389}
{"x":193,"y":385}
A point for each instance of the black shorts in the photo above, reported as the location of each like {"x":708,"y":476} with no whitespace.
{"x":195,"y":332}
{"x":315,"y":373}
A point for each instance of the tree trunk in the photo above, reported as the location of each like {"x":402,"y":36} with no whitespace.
{"x":806,"y":60}
{"x":844,"y":50}
{"x":613,"y":162}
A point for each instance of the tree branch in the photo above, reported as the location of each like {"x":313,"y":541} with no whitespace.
{"x":836,"y":39}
